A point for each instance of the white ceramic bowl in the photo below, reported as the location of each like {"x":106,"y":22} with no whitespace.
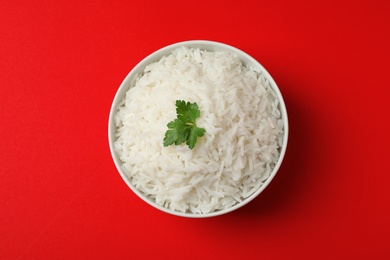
{"x":157,"y":55}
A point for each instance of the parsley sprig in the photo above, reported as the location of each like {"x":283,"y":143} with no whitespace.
{"x":184,"y":128}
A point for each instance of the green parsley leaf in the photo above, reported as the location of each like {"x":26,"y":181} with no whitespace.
{"x":184,"y":128}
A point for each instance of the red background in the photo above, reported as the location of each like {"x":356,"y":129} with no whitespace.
{"x":61,"y":196}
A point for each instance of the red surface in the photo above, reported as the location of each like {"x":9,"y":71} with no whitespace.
{"x":61,"y":63}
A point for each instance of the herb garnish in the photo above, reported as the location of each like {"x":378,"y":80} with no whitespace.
{"x":184,"y":128}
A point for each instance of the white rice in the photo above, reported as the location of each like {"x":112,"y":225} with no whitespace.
{"x":239,"y":111}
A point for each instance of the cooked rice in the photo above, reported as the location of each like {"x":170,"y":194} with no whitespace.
{"x":244,"y":128}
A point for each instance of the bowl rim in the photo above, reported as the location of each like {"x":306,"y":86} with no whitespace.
{"x":157,"y":55}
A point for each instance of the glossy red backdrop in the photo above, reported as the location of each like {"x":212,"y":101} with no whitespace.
{"x":61,"y":63}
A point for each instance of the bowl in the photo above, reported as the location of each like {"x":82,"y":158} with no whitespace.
{"x":156,"y":56}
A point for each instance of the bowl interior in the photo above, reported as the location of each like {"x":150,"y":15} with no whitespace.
{"x":157,"y":55}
